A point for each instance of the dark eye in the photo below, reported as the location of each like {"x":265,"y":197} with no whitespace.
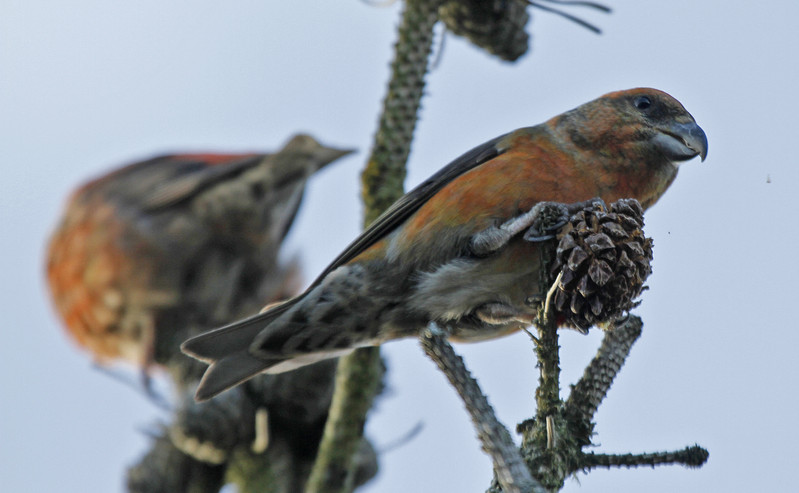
{"x":642,"y":102}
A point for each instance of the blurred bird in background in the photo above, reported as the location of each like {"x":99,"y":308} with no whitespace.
{"x":459,"y":250}
{"x":162,"y":249}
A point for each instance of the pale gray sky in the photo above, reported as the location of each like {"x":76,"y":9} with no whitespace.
{"x":88,"y":85}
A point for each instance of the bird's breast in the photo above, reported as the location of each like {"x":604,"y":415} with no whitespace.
{"x":455,"y":291}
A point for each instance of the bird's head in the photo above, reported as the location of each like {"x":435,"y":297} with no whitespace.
{"x":637,"y":124}
{"x":632,"y":141}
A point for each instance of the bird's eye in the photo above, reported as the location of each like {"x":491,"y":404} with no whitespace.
{"x":642,"y":102}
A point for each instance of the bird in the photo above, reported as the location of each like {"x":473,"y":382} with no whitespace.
{"x":161,"y":249}
{"x":457,"y":250}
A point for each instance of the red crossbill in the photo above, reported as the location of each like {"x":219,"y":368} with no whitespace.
{"x":452,"y":251}
{"x":162,"y":249}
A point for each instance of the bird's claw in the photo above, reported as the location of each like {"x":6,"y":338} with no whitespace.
{"x":535,"y":237}
{"x":549,"y":218}
{"x":592,"y":203}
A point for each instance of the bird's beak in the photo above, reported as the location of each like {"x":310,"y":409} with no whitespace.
{"x":682,"y":141}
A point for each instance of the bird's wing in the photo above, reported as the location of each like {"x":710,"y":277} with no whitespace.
{"x":189,"y":175}
{"x":409,"y":203}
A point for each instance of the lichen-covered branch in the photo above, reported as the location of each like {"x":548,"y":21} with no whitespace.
{"x":359,"y":373}
{"x":509,"y":467}
{"x":547,"y":350}
{"x":591,"y":389}
{"x":694,"y":456}
{"x":547,"y":445}
{"x":357,"y":381}
{"x":385,"y":171}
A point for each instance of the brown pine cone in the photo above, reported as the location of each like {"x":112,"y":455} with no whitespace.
{"x":604,"y":258}
{"x":497,"y":26}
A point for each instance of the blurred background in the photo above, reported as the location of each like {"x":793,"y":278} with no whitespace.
{"x":90,"y":85}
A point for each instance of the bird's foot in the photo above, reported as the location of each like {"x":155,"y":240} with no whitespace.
{"x":550,"y":217}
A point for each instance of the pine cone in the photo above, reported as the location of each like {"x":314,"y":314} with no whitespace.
{"x":497,"y":26}
{"x":604,"y":258}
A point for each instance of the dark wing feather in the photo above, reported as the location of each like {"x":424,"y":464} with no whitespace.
{"x":188,"y":177}
{"x":409,"y":203}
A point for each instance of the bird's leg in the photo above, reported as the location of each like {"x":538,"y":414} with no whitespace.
{"x":500,"y":313}
{"x":539,"y":218}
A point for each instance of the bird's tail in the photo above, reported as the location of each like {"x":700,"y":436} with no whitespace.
{"x":227,"y":351}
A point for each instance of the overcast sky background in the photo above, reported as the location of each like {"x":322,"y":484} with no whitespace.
{"x":89,"y":85}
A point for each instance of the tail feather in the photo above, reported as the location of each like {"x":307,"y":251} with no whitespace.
{"x":228,"y":372}
{"x":218,"y":343}
{"x":227,"y":351}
